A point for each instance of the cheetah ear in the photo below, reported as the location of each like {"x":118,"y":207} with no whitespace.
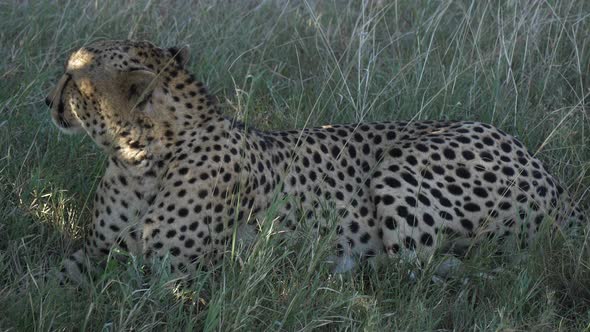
{"x":137,"y":86}
{"x":180,"y":54}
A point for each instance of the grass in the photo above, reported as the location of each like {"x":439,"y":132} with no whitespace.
{"x":521,"y":65}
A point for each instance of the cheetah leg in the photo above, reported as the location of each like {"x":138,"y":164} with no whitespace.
{"x":342,"y":264}
{"x":449,"y":266}
{"x":344,"y":261}
{"x":75,"y":268}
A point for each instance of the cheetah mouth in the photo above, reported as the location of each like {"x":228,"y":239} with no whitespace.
{"x":64,"y":124}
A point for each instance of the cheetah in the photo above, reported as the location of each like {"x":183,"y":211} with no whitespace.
{"x":182,"y":178}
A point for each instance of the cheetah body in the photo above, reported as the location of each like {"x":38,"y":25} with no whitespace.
{"x":182,"y":178}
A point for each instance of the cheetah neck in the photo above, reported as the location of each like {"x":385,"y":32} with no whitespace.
{"x":139,"y":155}
{"x":184,"y":101}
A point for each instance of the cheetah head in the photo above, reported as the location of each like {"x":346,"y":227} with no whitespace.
{"x":108,"y":87}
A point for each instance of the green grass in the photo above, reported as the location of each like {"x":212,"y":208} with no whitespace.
{"x":523,"y":66}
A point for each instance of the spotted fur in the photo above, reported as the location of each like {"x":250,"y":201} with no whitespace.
{"x":182,"y":178}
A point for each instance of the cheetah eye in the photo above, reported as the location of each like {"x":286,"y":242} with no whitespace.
{"x":138,"y":86}
{"x":133,"y":91}
{"x":141,"y":98}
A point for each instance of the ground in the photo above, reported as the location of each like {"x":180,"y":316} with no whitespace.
{"x":522,"y":67}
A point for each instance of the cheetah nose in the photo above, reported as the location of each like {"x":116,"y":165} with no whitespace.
{"x":48,"y":102}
